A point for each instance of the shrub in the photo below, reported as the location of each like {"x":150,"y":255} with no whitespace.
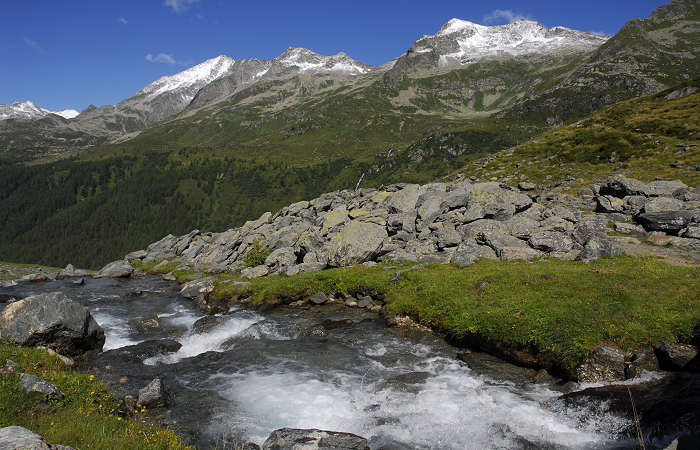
{"x":256,"y":255}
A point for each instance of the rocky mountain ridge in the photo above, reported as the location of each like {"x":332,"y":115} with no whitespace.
{"x":29,"y":111}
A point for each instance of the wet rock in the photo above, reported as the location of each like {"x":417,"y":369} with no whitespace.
{"x":676,"y":356}
{"x":312,"y":439}
{"x":318,"y":298}
{"x":52,"y":320}
{"x":641,"y":361}
{"x":70,"y":271}
{"x":78,"y":282}
{"x":19,"y":438}
{"x":116,"y":269}
{"x":194,"y":288}
{"x":205,"y":324}
{"x":603,"y":364}
{"x":35,"y":385}
{"x":37,"y":276}
{"x":142,"y":351}
{"x":668,"y":408}
{"x":599,"y":247}
{"x":153,"y":395}
{"x":667,"y":221}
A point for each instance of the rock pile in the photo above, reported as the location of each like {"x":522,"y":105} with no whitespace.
{"x":438,"y":222}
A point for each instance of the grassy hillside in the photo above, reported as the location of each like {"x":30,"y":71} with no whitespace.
{"x":645,"y":138}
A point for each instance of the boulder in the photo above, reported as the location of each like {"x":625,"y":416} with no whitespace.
{"x":507,"y":247}
{"x":205,"y":324}
{"x":18,"y":438}
{"x":664,"y":188}
{"x":281,"y":259}
{"x":318,"y":298}
{"x":551,"y":241}
{"x":297,"y":439}
{"x":35,"y":385}
{"x":54,"y":321}
{"x":667,"y":221}
{"x":489,"y":200}
{"x":621,"y":186}
{"x":143,"y":350}
{"x":692,"y":232}
{"x":138,"y":254}
{"x":255,"y":272}
{"x":609,"y":204}
{"x":356,"y":243}
{"x":641,"y":361}
{"x":467,"y":253}
{"x":588,"y":227}
{"x":194,"y":288}
{"x":603,"y":364}
{"x":403,"y":201}
{"x":676,"y":356}
{"x":599,"y":247}
{"x":116,"y":269}
{"x":663,"y":204}
{"x":153,"y":394}
{"x":70,"y":271}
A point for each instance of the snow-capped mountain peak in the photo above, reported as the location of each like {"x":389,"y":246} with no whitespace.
{"x":29,"y":111}
{"x":461,"y":41}
{"x":306,"y":60}
{"x":191,"y":79}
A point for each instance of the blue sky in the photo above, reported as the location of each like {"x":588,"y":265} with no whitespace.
{"x":72,"y":53}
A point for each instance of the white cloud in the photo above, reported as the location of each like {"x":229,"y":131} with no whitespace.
{"x":123,"y":20}
{"x":161,"y":58}
{"x":179,"y":5}
{"x":498,"y":15}
{"x":33,"y":44}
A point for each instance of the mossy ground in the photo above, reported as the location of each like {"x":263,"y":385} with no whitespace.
{"x":86,"y":418}
{"x":557,"y":310}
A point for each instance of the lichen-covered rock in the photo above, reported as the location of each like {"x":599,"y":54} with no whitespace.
{"x":116,"y":269}
{"x":356,"y":243}
{"x":599,"y":247}
{"x":609,"y":204}
{"x":603,"y":364}
{"x":663,"y":204}
{"x":668,"y":221}
{"x":194,"y":288}
{"x":54,"y":321}
{"x":255,"y":272}
{"x":19,"y":438}
{"x":297,"y":439}
{"x":153,"y":394}
{"x":35,"y":385}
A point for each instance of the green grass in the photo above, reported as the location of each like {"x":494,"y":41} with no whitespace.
{"x":556,"y":310}
{"x":639,"y":138}
{"x":11,"y":271}
{"x":86,"y":418}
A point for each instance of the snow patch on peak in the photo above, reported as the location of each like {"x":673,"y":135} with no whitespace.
{"x":306,"y":60}
{"x":461,"y":41}
{"x":193,"y":78}
{"x":29,"y":111}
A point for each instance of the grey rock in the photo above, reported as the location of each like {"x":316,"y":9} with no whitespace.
{"x":664,"y":188}
{"x":621,"y":186}
{"x":603,"y":364}
{"x":634,"y":204}
{"x":364,"y":301}
{"x":676,"y":356}
{"x":489,"y":200}
{"x":70,"y":271}
{"x":312,"y":439}
{"x":467,"y":253}
{"x":609,"y":204}
{"x":194,"y":288}
{"x":599,"y":247}
{"x":54,"y":321}
{"x":116,"y":269}
{"x":356,"y":243}
{"x":255,"y":272}
{"x":550,"y":241}
{"x":281,"y":258}
{"x":663,"y":204}
{"x":138,"y":254}
{"x":35,"y":385}
{"x":687,"y":194}
{"x":588,"y":227}
{"x":667,"y":221}
{"x":627,"y":228}
{"x":19,"y":438}
{"x":304,"y":268}
{"x":318,"y":298}
{"x":431,"y":206}
{"x":692,"y":232}
{"x":153,"y":395}
{"x":207,"y":323}
{"x":507,"y":247}
{"x":641,"y":361}
{"x":526,"y":186}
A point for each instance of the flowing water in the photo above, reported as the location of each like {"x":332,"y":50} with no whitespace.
{"x":336,"y":369}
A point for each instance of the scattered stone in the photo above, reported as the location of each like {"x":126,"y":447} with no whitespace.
{"x":52,"y":320}
{"x":37,"y":276}
{"x":364,"y":301}
{"x":318,"y":298}
{"x":526,"y":186}
{"x":312,"y":439}
{"x":169,"y":277}
{"x":351,"y":302}
{"x":116,"y":269}
{"x":356,"y":243}
{"x":35,"y":385}
{"x":153,"y":395}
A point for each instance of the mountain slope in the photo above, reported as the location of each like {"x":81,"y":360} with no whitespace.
{"x":29,"y":111}
{"x":645,"y":56}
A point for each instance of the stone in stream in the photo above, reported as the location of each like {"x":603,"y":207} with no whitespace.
{"x":603,"y":364}
{"x":298,"y":439}
{"x":677,"y":356}
{"x":153,"y":395}
{"x":116,"y":269}
{"x":318,"y":298}
{"x":205,"y":324}
{"x":193,"y":288}
{"x":19,"y":438}
{"x":54,"y":321}
{"x":70,"y":271}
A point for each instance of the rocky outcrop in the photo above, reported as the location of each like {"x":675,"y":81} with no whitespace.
{"x":54,"y":321}
{"x":116,"y":269}
{"x":18,"y":438}
{"x":292,"y":439}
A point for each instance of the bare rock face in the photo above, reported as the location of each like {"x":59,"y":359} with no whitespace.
{"x":54,"y":321}
{"x":292,"y":439}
